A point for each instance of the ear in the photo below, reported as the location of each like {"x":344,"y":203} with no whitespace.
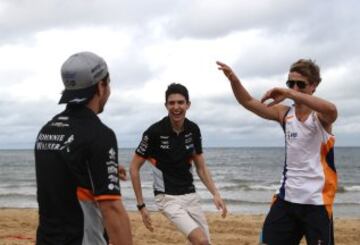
{"x":100,"y":90}
{"x":314,"y":88}
{"x":188,"y":104}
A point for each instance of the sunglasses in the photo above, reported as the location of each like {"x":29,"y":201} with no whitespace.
{"x":299,"y":84}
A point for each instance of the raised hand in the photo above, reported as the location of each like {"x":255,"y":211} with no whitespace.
{"x":225,"y":68}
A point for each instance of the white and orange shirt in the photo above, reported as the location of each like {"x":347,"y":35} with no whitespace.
{"x":309,"y":175}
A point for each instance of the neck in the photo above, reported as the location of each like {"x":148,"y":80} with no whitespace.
{"x":93,"y":105}
{"x":303,"y":109}
{"x":177,"y":126}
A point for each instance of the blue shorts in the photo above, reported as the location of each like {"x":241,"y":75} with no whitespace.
{"x":286,"y":224}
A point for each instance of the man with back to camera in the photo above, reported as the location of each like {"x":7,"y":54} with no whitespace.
{"x":76,"y":159}
{"x":171,"y":145}
{"x":303,"y":204}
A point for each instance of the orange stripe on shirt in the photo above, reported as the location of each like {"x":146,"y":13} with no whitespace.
{"x":330,"y":184}
{"x":107,"y":197}
{"x":86,"y":195}
{"x":150,"y":159}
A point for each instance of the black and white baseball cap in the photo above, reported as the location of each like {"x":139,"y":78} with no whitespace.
{"x":80,"y":72}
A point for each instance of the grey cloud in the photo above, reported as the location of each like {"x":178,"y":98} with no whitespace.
{"x":130,"y":70}
{"x":13,"y":76}
{"x":129,"y":118}
{"x":19,"y":19}
{"x":21,"y":121}
{"x":203,"y":20}
{"x":325,"y":31}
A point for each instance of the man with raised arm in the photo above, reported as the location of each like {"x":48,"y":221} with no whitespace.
{"x":303,"y":204}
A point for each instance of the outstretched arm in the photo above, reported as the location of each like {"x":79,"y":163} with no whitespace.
{"x":205,"y":177}
{"x":245,"y":99}
{"x":135,"y":166}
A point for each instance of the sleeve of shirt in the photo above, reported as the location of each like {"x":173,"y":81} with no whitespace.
{"x":103,"y":167}
{"x":146,"y":146}
{"x":197,"y":140}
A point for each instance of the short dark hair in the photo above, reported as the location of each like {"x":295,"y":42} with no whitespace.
{"x":177,"y":88}
{"x":307,"y":68}
{"x":94,"y":88}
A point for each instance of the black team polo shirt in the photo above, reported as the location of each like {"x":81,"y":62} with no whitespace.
{"x":171,"y":155}
{"x":76,"y":159}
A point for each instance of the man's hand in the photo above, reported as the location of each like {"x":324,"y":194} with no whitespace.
{"x":225,"y":68}
{"x":277,"y":94}
{"x":220,"y":205}
{"x":146,"y":219}
{"x":122,"y":172}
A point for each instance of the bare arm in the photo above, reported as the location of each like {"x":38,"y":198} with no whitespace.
{"x":135,"y":166}
{"x":205,"y":177}
{"x":246,"y":100}
{"x":117,"y":222}
{"x":326,"y":110}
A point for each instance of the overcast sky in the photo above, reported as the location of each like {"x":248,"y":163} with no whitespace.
{"x":151,"y":43}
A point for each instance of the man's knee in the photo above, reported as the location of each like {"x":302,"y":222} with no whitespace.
{"x":200,"y":241}
{"x":198,"y":237}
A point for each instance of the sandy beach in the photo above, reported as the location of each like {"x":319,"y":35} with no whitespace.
{"x":17,"y":227}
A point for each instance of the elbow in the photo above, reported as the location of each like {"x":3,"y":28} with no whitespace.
{"x":333,"y":112}
{"x":133,"y":170}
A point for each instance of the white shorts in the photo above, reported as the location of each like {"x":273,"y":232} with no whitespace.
{"x":184,"y":211}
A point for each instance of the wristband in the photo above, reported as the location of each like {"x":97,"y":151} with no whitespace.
{"x":140,"y":206}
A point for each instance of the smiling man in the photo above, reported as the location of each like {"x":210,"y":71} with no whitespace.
{"x":303,"y":203}
{"x":172,"y":145}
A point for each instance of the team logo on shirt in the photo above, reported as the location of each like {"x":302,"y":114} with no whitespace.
{"x":111,"y":187}
{"x":112,"y":170}
{"x":291,"y":135}
{"x":111,"y":162}
{"x":53,"y":142}
{"x":189,"y":141}
{"x":60,"y":124}
{"x":67,"y":143}
{"x":113,"y":178}
{"x":164,"y":142}
{"x":143,"y":145}
{"x":112,"y":154}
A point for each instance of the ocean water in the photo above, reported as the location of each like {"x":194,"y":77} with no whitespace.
{"x":246,"y":177}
